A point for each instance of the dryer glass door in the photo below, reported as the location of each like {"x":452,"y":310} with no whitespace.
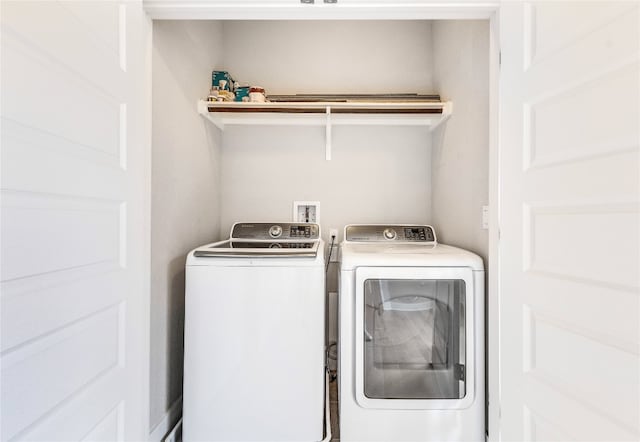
{"x":414,"y":338}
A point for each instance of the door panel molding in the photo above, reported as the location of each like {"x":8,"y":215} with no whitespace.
{"x":611,"y":131}
{"x":597,"y":17}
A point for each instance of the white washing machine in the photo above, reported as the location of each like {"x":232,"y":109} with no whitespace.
{"x":411,"y":358}
{"x":254,"y":336}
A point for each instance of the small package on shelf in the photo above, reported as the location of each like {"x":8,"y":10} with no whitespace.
{"x":219,"y":95}
{"x":222,"y":80}
{"x":242,"y":93}
{"x":213,"y":94}
{"x":226,"y":95}
{"x":257,"y":94}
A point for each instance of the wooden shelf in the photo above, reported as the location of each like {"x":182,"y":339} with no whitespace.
{"x":411,"y":113}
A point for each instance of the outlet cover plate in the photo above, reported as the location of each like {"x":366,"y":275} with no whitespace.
{"x":306,"y":212}
{"x":485,"y":217}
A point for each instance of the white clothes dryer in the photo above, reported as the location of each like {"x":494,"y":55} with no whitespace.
{"x":254,"y":365}
{"x":411,"y":337}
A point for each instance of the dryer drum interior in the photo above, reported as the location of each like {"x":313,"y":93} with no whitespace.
{"x":414,"y":339}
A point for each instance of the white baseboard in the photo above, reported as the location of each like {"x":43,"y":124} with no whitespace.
{"x":171,"y":417}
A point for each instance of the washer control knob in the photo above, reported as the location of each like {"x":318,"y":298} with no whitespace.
{"x":389,"y":233}
{"x":275,"y":231}
{"x":275,"y":245}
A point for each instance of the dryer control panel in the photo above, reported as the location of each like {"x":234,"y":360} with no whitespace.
{"x":391,"y":232}
{"x":279,"y":231}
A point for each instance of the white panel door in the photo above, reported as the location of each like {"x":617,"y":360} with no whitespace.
{"x":569,"y":245}
{"x":74,"y":155}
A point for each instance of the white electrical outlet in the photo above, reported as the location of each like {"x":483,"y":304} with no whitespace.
{"x":333,"y":233}
{"x":485,"y":217}
{"x":306,"y":212}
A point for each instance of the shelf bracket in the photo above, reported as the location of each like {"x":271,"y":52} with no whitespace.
{"x":447,"y":110}
{"x":327,"y":147}
{"x":203,"y":110}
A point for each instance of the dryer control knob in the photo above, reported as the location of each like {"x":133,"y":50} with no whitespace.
{"x":275,"y":231}
{"x":389,"y":234}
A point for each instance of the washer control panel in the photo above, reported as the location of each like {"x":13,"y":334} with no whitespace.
{"x":389,"y":233}
{"x":279,"y":231}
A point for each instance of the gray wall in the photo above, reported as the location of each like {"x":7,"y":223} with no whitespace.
{"x":372,"y":167}
{"x":330,"y":56}
{"x":460,"y":157}
{"x":185,"y":208}
{"x":377,"y":174}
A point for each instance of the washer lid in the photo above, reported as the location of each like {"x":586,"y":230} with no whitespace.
{"x":262,"y":249}
{"x":265,"y":240}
